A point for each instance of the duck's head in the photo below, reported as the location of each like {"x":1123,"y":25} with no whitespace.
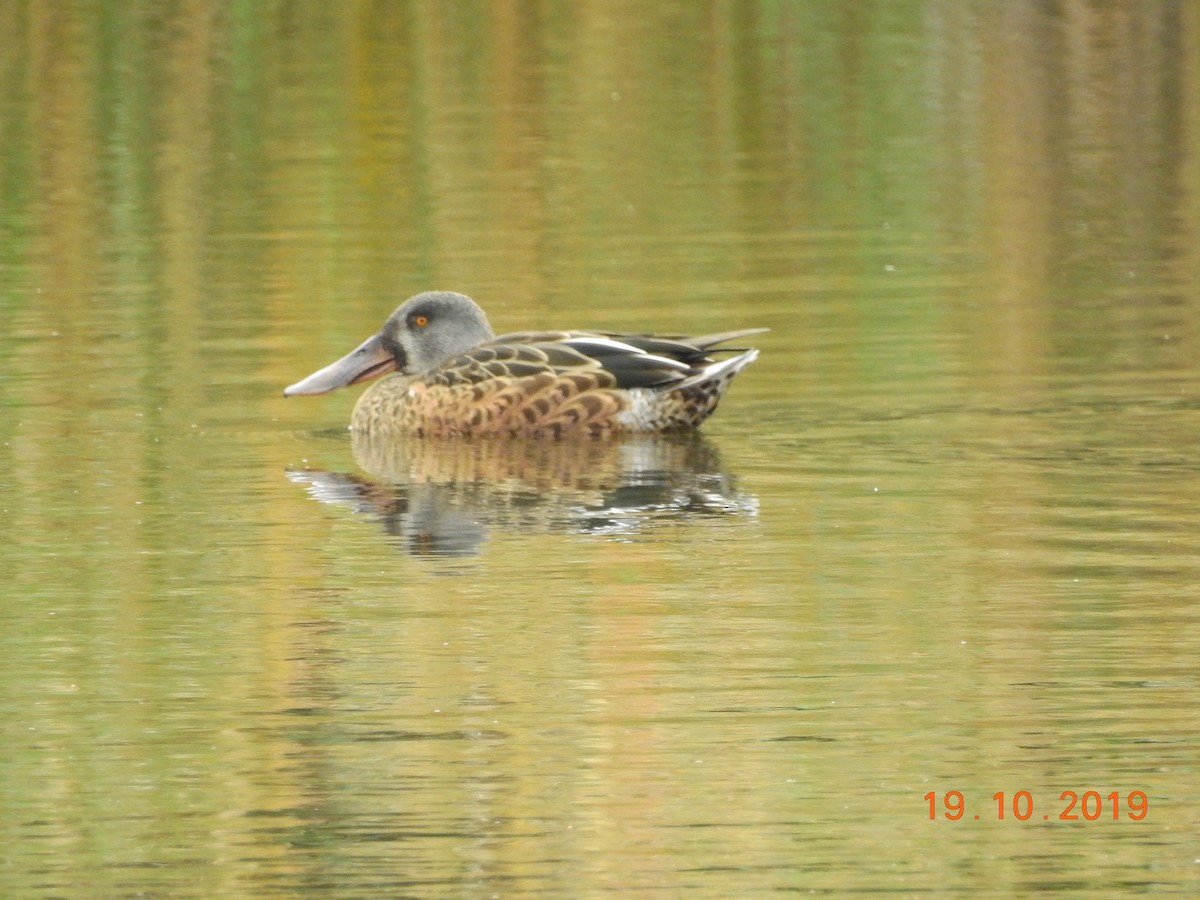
{"x":424,"y":332}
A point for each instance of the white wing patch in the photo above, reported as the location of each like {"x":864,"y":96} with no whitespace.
{"x":725,"y":368}
{"x":588,"y":345}
{"x":583,"y":343}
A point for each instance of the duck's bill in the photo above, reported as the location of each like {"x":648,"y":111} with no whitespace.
{"x":369,"y":360}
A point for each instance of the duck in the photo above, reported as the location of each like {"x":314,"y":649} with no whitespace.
{"x":449,"y":375}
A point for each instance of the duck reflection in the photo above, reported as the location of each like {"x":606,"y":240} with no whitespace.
{"x":441,"y":498}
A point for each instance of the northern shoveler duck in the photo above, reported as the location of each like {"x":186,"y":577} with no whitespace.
{"x":455,"y":377}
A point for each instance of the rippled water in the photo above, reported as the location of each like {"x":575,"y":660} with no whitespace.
{"x":939,"y":538}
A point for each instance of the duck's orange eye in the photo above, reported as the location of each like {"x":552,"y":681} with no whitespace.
{"x":420,"y":321}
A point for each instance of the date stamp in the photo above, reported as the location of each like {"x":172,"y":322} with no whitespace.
{"x":1072,"y":806}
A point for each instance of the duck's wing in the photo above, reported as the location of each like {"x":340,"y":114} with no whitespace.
{"x":595,"y":360}
{"x":708,"y":341}
{"x":655,"y":360}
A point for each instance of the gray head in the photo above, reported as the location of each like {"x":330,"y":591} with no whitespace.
{"x":423,"y":333}
{"x":430,"y":328}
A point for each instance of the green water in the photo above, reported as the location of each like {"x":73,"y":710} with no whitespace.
{"x":940,"y":537}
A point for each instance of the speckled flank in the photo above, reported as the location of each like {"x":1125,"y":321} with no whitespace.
{"x":542,"y":404}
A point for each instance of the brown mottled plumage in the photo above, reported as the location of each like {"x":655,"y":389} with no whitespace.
{"x":454,"y":377}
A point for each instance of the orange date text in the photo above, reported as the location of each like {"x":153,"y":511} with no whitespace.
{"x":1071,"y":806}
